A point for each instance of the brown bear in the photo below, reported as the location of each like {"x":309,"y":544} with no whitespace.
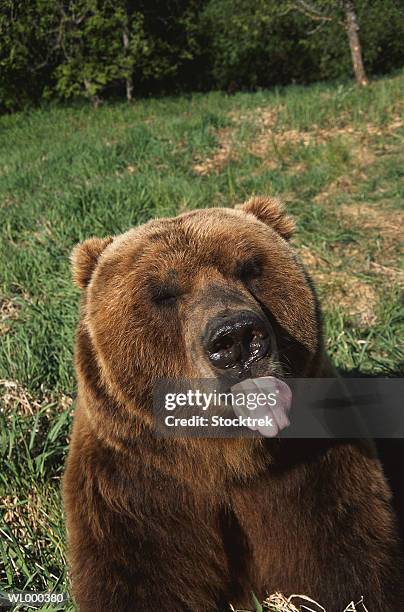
{"x":192,"y":525}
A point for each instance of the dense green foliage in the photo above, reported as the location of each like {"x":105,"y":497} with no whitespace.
{"x":263,"y":42}
{"x":74,"y":48}
{"x":71,"y":48}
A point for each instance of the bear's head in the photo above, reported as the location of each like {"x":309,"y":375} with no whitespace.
{"x":215,"y":292}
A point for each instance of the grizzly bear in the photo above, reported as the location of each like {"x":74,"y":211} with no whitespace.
{"x":196,"y":524}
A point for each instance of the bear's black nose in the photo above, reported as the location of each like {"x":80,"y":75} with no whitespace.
{"x":237,"y":340}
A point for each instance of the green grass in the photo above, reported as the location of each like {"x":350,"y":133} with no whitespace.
{"x":333,"y":152}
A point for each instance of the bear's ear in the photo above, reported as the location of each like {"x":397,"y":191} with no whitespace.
{"x":84,"y":259}
{"x":272,"y":212}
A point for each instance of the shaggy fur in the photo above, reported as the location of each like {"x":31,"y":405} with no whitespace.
{"x":190,"y":525}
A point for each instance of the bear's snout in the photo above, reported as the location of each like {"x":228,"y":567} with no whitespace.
{"x":237,"y":340}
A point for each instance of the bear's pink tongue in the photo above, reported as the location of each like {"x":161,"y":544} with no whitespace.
{"x":275,"y":405}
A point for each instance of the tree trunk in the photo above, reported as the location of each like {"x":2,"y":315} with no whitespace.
{"x":95,"y":100}
{"x":129,"y":78}
{"x":354,"y":43}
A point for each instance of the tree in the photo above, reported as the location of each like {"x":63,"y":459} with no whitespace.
{"x":126,"y":39}
{"x":99,"y":46}
{"x":28,"y":51}
{"x":354,"y":43}
{"x":111,"y":44}
{"x":253,"y":44}
{"x":329,"y":10}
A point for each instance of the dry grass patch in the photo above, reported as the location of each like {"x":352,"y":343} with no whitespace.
{"x":315,"y":136}
{"x":270,"y":136}
{"x":339,"y":286}
{"x":9,"y":310}
{"x":28,"y":521}
{"x":14,"y":398}
{"x":301,"y":603}
{"x":321,"y":135}
{"x":21,"y":517}
{"x":363,"y":156}
{"x":222,"y":155}
{"x":265,"y":118}
{"x":390,"y":223}
{"x":384,"y":228}
{"x":358,"y":299}
{"x":311,"y":259}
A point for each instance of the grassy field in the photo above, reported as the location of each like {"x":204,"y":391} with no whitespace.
{"x":333,"y":153}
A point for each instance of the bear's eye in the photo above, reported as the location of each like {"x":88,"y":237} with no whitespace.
{"x":249,"y":270}
{"x":165,"y":295}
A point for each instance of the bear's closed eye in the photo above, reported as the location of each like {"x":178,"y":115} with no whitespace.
{"x":165,"y":295}
{"x":248,"y":270}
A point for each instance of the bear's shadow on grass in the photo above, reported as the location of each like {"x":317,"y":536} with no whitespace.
{"x":391,"y":454}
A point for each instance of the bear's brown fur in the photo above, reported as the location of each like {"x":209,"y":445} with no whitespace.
{"x":190,"y":525}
